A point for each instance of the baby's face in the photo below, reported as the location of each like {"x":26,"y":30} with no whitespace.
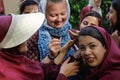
{"x":56,"y":14}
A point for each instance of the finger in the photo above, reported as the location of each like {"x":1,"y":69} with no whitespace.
{"x":72,"y":33}
{"x":67,"y":60}
{"x":69,"y":44}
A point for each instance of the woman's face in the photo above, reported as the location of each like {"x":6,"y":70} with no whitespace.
{"x":98,"y":2}
{"x":30,"y":9}
{"x":23,"y":47}
{"x":56,"y":14}
{"x":112,"y":16}
{"x":92,"y":50}
{"x":89,"y":21}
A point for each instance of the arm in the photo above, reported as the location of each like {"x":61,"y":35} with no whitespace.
{"x":57,"y":52}
{"x":116,"y":38}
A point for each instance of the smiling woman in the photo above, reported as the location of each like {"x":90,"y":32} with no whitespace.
{"x":98,"y":51}
{"x":56,"y":25}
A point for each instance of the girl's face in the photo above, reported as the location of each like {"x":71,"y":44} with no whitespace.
{"x":112,"y":16}
{"x":30,"y":9}
{"x":56,"y":14}
{"x":89,"y":21}
{"x":92,"y":50}
{"x":98,"y":2}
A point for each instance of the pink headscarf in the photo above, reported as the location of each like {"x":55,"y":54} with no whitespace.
{"x":110,"y":67}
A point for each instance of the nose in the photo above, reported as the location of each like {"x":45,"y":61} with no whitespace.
{"x":59,"y":18}
{"x":87,"y":52}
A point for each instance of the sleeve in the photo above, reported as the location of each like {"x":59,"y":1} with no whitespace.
{"x":51,"y":71}
{"x":61,"y":77}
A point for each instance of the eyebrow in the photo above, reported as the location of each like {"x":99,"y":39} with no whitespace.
{"x":88,"y":44}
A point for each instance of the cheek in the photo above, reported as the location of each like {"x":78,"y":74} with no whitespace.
{"x":65,"y":17}
{"x":113,"y":19}
{"x":50,"y":19}
{"x":100,"y":55}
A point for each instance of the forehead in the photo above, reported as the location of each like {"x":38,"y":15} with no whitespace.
{"x":91,"y":19}
{"x":50,"y":3}
{"x":31,"y":7}
{"x":60,"y":6}
{"x":85,"y":40}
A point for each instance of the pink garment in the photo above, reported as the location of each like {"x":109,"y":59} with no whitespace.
{"x":110,"y":67}
{"x":14,"y":66}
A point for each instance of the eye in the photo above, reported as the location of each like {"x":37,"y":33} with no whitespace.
{"x":53,"y":15}
{"x":92,"y":46}
{"x":82,"y":48}
{"x":63,"y":13}
{"x":85,"y":22}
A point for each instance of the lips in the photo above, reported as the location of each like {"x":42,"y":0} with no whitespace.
{"x":90,"y":60}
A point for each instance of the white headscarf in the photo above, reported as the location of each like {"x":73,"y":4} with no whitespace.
{"x":95,"y":8}
{"x":42,"y":7}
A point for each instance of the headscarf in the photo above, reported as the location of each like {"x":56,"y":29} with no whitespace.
{"x":46,"y":31}
{"x":42,"y":7}
{"x":109,"y":69}
{"x":95,"y":8}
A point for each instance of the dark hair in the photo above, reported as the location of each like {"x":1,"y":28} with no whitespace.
{"x":95,"y":14}
{"x":116,"y":6}
{"x":92,"y":31}
{"x":27,"y":3}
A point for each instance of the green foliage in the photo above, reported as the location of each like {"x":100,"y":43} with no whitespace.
{"x":77,"y":5}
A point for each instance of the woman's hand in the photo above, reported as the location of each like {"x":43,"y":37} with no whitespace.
{"x":116,"y":37}
{"x":73,"y":33}
{"x":63,"y":51}
{"x":69,"y":69}
{"x":54,"y":46}
{"x":77,"y":55}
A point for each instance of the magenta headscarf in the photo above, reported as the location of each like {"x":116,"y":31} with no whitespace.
{"x":110,"y":67}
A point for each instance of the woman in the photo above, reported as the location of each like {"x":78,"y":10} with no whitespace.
{"x":14,"y":31}
{"x":94,"y":5}
{"x":114,"y":18}
{"x":55,"y":26}
{"x":100,"y":54}
{"x":91,"y":18}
